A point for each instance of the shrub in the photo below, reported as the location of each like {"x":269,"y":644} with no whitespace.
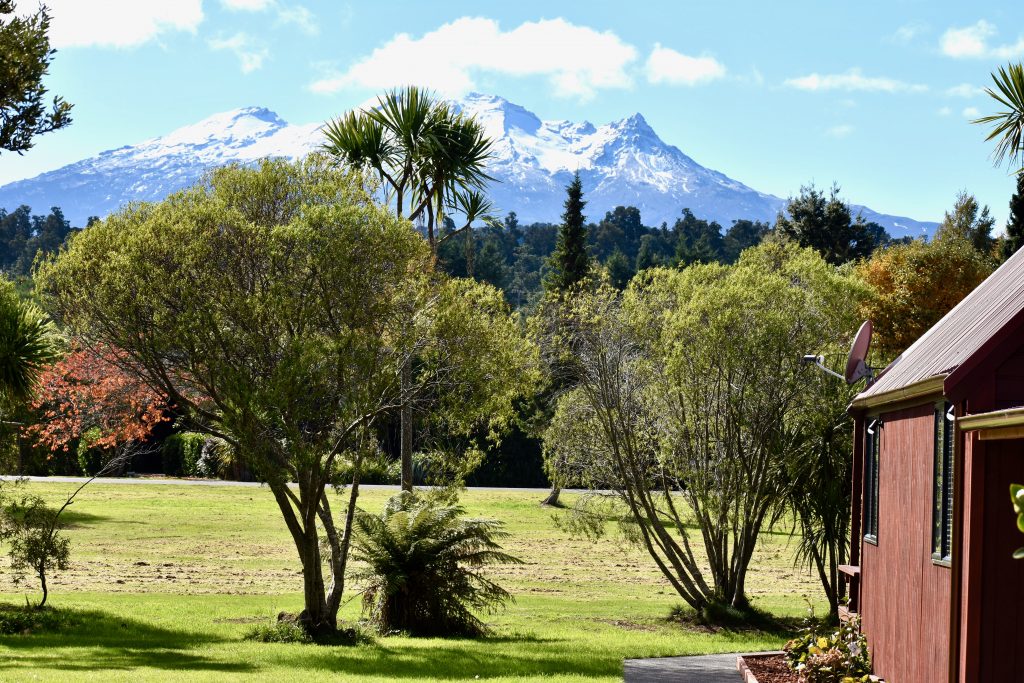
{"x":278,"y":632}
{"x":422,"y":566}
{"x":181,"y":452}
{"x":288,"y":630}
{"x":839,"y":656}
{"x":24,"y":620}
{"x":36,"y":545}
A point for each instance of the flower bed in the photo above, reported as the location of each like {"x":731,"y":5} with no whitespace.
{"x":766,"y":668}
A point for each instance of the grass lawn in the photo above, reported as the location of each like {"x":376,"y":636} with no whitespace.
{"x":166,"y":580}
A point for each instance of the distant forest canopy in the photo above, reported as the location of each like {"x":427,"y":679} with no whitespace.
{"x":512,"y":256}
{"x":24,"y":236}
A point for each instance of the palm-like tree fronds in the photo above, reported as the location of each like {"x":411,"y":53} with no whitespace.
{"x":27,"y":345}
{"x":426,"y":152}
{"x":422,"y":567}
{"x":1008,"y":125}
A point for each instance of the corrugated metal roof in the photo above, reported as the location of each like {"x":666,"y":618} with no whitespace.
{"x":960,"y":333}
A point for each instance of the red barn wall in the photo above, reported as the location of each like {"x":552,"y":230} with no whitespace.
{"x":905,"y":599}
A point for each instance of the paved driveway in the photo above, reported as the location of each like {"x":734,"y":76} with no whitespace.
{"x":701,"y":669}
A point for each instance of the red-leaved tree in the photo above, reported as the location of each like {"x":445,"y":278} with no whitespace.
{"x":88,"y":390}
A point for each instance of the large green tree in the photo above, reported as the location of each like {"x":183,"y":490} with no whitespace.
{"x":969,"y":221}
{"x":274,"y":306}
{"x":570,"y":262}
{"x":689,"y":398}
{"x":824,"y":223}
{"x":25,"y":57}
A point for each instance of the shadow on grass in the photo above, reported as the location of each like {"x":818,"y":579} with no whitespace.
{"x":450,"y":658}
{"x":76,"y":520}
{"x":106,"y":641}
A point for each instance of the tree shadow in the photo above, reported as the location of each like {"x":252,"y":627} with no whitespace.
{"x":112,"y":642}
{"x":450,"y":658}
{"x":74,"y":519}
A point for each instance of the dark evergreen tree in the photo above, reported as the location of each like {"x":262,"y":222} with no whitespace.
{"x":620,"y":272}
{"x":743,"y":234}
{"x":825,"y":224}
{"x":1015,"y":225}
{"x":648,"y":255}
{"x":25,"y":57}
{"x":23,"y":237}
{"x":570,"y":262}
{"x":970,"y":221}
{"x":697,"y":240}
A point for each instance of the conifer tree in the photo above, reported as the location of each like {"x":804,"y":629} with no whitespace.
{"x":1015,"y":225}
{"x":570,"y":261}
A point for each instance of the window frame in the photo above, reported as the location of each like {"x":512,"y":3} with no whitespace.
{"x":943,"y":480}
{"x":872,"y":446}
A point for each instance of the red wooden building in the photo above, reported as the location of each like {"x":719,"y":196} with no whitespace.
{"x":939,"y":437}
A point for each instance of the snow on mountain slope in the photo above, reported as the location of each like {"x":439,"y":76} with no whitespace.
{"x":621,"y":163}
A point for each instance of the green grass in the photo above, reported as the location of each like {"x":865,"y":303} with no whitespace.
{"x":167,"y":580}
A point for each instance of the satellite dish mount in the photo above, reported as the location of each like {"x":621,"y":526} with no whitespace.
{"x":856,"y":364}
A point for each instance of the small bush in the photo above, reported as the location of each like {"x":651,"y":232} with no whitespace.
{"x":180,"y":454}
{"x":25,"y":620}
{"x":287,"y":630}
{"x":278,"y":632}
{"x":422,"y":567}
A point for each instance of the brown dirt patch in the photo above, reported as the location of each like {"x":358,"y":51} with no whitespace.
{"x":771,"y":669}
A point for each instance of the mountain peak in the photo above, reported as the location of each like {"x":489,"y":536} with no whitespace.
{"x":635,"y":123}
{"x":621,"y":163}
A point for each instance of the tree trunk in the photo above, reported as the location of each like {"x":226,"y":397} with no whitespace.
{"x":315,"y":617}
{"x":300,"y":516}
{"x":406,"y":427}
{"x":46,"y":593}
{"x":552,"y":497}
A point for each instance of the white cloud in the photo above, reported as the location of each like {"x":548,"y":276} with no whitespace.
{"x":945,"y":111}
{"x":840,"y":131}
{"x":250,"y":55}
{"x":906,"y":33}
{"x":300,"y":16}
{"x":247,"y":5}
{"x":665,"y":65}
{"x":973,"y":41}
{"x":577,"y":60}
{"x":971,"y":113}
{"x":115,"y":23}
{"x":852,"y":80}
{"x":286,"y":14}
{"x":964,"y":90}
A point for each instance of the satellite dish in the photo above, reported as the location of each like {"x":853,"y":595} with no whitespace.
{"x":856,"y":365}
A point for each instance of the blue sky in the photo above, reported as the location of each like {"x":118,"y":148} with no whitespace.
{"x":873,"y":95}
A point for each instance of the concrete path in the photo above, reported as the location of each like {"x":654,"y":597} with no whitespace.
{"x":701,"y":669}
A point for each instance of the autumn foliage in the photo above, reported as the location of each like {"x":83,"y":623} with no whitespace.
{"x":915,"y":284}
{"x":87,"y":390}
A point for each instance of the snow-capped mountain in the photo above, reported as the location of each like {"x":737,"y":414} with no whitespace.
{"x":621,"y":163}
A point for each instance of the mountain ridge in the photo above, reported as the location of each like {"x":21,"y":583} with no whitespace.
{"x":623,"y":162}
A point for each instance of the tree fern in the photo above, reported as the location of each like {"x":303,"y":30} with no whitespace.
{"x":423,"y":567}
